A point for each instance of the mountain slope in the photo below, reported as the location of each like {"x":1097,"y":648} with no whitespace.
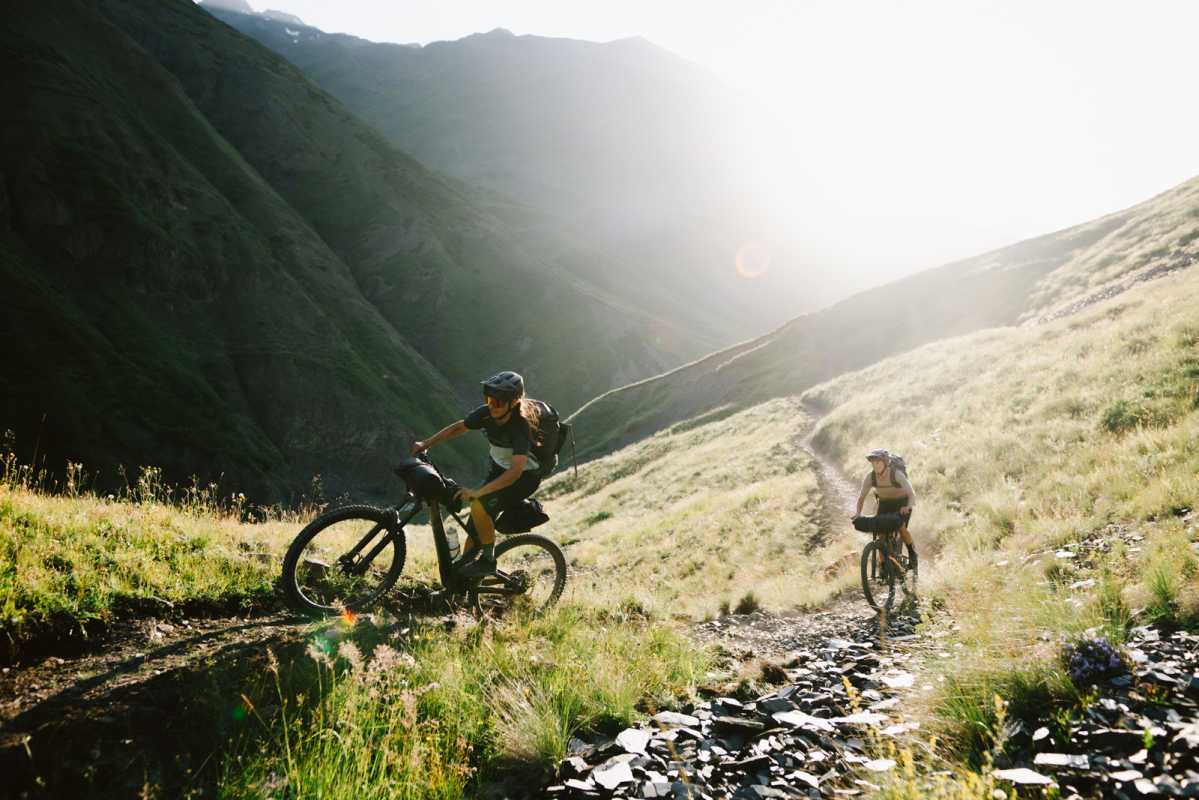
{"x":1056,"y":471}
{"x":463,"y":281}
{"x":1000,"y":288}
{"x":211,"y":266}
{"x":659,"y":172}
{"x":164,"y":305}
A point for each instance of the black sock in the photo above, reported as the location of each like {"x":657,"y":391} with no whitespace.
{"x":912,"y":553}
{"x":487,"y":552}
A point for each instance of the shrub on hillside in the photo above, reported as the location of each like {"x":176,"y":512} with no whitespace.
{"x":1123,"y":416}
{"x":747,"y":604}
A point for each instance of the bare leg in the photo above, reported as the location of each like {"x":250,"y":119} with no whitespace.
{"x":484,"y":527}
{"x":907,"y":540}
{"x":484,"y":564}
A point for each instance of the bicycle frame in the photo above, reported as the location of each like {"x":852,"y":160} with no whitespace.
{"x":409,"y":508}
{"x":890,"y":547}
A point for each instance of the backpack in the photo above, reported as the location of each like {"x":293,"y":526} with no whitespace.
{"x":896,"y":464}
{"x":553,"y":434}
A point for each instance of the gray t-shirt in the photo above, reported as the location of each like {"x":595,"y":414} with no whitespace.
{"x":509,"y":439}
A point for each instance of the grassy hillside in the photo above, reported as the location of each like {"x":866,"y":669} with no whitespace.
{"x":708,"y":514}
{"x":1023,"y":442}
{"x":1080,"y":436}
{"x":1028,"y":279}
{"x":431,"y":707}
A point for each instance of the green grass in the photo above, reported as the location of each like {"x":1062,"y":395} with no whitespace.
{"x":418,"y":710}
{"x":1020,"y":441}
{"x":437,"y":714}
{"x":695,"y":516}
{"x":69,"y":561}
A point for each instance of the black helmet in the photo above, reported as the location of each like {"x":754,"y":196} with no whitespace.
{"x":505,"y":385}
{"x":880,"y":454}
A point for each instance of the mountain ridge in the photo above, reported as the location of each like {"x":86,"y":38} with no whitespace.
{"x":1001,"y":287}
{"x":640,"y":154}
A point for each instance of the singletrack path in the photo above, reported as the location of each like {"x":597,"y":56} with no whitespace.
{"x":815,"y":697}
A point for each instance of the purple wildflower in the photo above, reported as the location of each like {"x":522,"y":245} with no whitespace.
{"x":1088,"y":660}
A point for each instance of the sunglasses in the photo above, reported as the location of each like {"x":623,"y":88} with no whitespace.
{"x":494,"y":401}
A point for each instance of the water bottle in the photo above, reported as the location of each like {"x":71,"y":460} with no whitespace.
{"x":451,"y":539}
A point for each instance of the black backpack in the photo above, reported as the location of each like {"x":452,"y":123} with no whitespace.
{"x":551,"y":435}
{"x":897,"y":465}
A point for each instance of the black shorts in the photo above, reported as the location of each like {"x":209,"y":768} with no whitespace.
{"x":510,"y":495}
{"x":893,"y":506}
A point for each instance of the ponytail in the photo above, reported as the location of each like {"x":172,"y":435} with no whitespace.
{"x":532,"y":417}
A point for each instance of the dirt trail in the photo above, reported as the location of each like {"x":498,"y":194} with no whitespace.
{"x":766,"y":635}
{"x":156,"y":701}
{"x":838,"y":495}
{"x":149,"y":706}
{"x":832,"y":672}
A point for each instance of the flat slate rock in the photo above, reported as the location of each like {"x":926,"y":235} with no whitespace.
{"x":612,"y":773}
{"x":1023,"y":775}
{"x":798,"y":719}
{"x":633,"y":740}
{"x":739,"y":723}
{"x":673,"y":719}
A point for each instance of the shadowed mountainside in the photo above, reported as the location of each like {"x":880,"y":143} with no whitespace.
{"x":660,"y":172}
{"x":210,"y":265}
{"x":1025,"y":280}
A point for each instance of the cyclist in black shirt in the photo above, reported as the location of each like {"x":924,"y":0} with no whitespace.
{"x":511,"y":424}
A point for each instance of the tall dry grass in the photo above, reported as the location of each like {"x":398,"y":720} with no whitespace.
{"x":1025,"y":441}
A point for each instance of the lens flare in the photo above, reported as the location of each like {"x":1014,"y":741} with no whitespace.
{"x":753,"y":260}
{"x":348,"y":616}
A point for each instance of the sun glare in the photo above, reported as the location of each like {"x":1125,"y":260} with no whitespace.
{"x":752,"y":260}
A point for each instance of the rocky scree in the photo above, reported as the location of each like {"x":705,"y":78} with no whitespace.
{"x":810,"y":738}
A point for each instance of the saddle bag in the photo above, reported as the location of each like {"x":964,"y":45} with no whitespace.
{"x":880,"y":523}
{"x":522,"y":517}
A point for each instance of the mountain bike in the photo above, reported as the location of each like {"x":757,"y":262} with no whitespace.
{"x":347,"y":559}
{"x":884,"y":568}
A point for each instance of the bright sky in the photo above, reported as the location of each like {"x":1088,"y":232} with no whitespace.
{"x":923,"y":131}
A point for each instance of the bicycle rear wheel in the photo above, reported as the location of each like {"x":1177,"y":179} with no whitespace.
{"x":878,"y":576}
{"x":344,"y":560}
{"x":530,"y":576}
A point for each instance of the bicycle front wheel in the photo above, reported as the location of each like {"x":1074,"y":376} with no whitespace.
{"x":530,"y":576}
{"x":344,"y":560}
{"x":878,"y":576}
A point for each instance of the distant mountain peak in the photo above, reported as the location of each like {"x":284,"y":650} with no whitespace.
{"x":243,"y":7}
{"x":282,"y":16}
{"x":495,"y":34}
{"x":240,"y":6}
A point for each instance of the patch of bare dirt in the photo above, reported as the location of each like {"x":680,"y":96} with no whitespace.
{"x":152,"y":709}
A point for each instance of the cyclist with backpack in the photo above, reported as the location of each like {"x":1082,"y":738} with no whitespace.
{"x":888,"y":479}
{"x":513,"y":425}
